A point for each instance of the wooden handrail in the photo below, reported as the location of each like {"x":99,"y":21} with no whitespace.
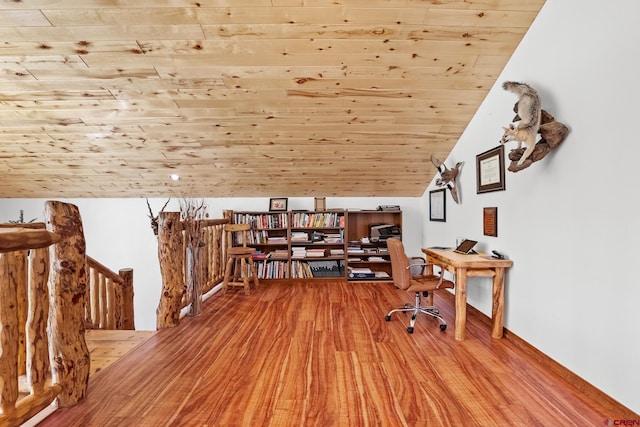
{"x":24,"y":308}
{"x":30,"y":377}
{"x":17,"y":237}
{"x":109,"y":298}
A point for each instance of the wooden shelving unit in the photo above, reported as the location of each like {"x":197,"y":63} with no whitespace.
{"x":362,"y":251}
{"x":318,"y":244}
{"x":298,"y":244}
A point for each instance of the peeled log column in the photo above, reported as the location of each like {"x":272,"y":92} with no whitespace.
{"x":170,"y":251}
{"x":8,"y":335}
{"x":67,"y":282}
{"x":36,"y":328}
{"x":127,"y":320}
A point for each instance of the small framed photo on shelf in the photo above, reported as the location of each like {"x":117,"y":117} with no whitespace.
{"x":490,"y":170}
{"x":437,"y":205}
{"x":278,"y":204}
{"x":320,"y":204}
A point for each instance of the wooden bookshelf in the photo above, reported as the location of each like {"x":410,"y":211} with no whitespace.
{"x":297,"y":244}
{"x":363,"y":252}
{"x":316,"y":244}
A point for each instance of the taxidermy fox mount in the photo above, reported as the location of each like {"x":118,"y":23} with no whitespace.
{"x":533,"y":119}
{"x":529,"y":113}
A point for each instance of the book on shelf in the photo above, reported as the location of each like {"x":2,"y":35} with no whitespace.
{"x":259,"y":255}
{"x":360,"y":273}
{"x":376,"y":259}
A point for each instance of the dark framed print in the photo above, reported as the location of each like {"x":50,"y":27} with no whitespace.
{"x":437,"y":205}
{"x":490,"y":221}
{"x":490,"y":170}
{"x":278,"y":204}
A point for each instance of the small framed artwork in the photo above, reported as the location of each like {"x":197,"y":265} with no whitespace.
{"x":320,"y":204}
{"x":490,"y":170}
{"x":490,"y":221}
{"x":437,"y":205}
{"x":278,"y":204}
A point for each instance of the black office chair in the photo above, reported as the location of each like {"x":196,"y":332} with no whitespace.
{"x":421,"y":285}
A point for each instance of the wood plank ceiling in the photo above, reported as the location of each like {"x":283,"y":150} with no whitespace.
{"x":241,"y":98}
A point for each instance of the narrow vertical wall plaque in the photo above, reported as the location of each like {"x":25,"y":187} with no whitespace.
{"x":490,"y":221}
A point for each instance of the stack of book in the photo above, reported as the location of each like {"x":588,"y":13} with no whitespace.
{"x":279,"y":254}
{"x":299,"y":236}
{"x":313,"y":252}
{"x":298,"y":252}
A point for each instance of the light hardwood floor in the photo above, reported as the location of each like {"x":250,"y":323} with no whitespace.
{"x":321,"y":354}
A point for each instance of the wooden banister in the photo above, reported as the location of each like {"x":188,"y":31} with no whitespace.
{"x":24,"y":309}
{"x":109,"y":298}
{"x":31,"y":275}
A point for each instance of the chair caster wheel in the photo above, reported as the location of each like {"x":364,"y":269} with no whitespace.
{"x":410,"y":330}
{"x":443,"y":327}
{"x":387,"y":318}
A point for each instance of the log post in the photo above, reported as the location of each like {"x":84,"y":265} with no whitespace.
{"x":36,"y":328}
{"x":170,"y":254}
{"x":8,"y":336}
{"x":70,"y":360}
{"x":128,"y":321}
{"x":21,"y":277}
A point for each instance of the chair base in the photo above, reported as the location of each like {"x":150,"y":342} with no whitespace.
{"x":416,"y":309}
{"x":238,"y":272}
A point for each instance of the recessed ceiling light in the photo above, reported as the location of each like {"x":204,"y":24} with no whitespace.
{"x":174,"y":177}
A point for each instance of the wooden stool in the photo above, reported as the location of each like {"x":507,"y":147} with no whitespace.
{"x":240,"y":264}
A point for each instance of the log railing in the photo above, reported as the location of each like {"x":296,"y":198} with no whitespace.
{"x":172,"y":253}
{"x":109,"y":298}
{"x":45,"y":297}
{"x":25,"y":372}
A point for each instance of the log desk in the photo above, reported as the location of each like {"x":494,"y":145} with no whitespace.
{"x":472,"y":265}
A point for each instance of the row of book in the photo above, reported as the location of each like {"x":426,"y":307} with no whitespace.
{"x":317,"y":220}
{"x":272,"y":269}
{"x":309,"y":269}
{"x":262,"y":221}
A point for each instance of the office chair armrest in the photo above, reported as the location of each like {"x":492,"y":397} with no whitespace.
{"x":425,"y":264}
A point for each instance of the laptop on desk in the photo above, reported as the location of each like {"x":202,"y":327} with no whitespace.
{"x":466,"y":247}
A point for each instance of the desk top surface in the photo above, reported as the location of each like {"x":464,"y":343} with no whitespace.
{"x":454,"y":259}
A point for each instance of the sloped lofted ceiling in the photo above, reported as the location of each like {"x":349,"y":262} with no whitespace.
{"x":242,"y":98}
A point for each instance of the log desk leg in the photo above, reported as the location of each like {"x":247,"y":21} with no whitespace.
{"x":477,"y":265}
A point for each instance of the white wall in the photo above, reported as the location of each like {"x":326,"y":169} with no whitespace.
{"x":569,"y":221}
{"x":118,"y":233}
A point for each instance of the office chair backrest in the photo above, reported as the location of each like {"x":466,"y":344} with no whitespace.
{"x":399,"y":264}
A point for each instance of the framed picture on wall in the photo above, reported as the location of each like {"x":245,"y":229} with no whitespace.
{"x":490,"y":170}
{"x":437,"y":205}
{"x":278,"y":204}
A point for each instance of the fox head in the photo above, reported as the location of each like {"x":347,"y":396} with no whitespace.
{"x":508,"y":134}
